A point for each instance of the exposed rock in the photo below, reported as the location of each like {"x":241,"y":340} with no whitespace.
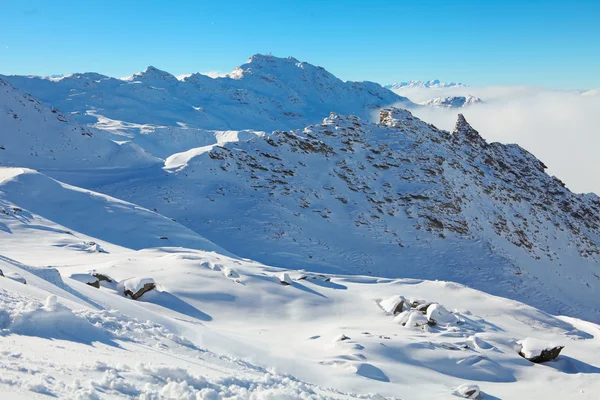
{"x":1,"y":273}
{"x":136,"y":287}
{"x":468,"y":391}
{"x":438,"y":315}
{"x":463,"y":131}
{"x":102,"y":277}
{"x":341,"y":338}
{"x":315,"y":277}
{"x":423,"y":307}
{"x":395,"y":305}
{"x":538,"y":351}
{"x":88,"y":279}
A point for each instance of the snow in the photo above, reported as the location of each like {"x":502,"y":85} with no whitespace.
{"x":265,"y":93}
{"x":532,"y":347}
{"x":452,"y":102}
{"x":181,"y":184}
{"x":468,"y":391}
{"x":134,"y":285}
{"x":438,"y":314}
{"x":432,"y":84}
{"x":84,"y":278}
{"x":391,"y":305}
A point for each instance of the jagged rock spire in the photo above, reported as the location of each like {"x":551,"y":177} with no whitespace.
{"x":464,"y":132}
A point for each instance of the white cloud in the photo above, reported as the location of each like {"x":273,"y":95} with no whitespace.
{"x":560,"y":128}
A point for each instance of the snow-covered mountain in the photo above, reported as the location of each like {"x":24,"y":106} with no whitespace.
{"x":398,"y":198}
{"x":39,"y":136}
{"x":432,"y":84}
{"x":452,"y":102}
{"x":357,"y":228}
{"x":263,"y":94}
{"x":220,"y":327}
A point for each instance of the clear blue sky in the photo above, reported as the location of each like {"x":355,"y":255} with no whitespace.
{"x":546,"y":43}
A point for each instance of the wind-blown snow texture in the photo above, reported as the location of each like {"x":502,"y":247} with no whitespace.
{"x":356,"y":214}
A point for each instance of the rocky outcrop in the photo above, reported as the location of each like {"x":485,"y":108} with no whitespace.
{"x":136,"y":287}
{"x":538,"y":351}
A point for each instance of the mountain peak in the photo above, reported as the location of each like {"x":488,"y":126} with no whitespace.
{"x":432,"y":84}
{"x":153,"y":73}
{"x":452,"y":101}
{"x":463,"y":131}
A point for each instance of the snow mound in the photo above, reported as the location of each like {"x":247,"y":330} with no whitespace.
{"x":88,"y":279}
{"x":395,"y":305}
{"x":437,"y":314}
{"x":468,"y":391}
{"x":52,"y":320}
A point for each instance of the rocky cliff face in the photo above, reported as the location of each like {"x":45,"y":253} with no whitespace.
{"x":397,"y":198}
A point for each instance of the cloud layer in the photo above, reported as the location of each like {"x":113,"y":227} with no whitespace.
{"x":560,"y":128}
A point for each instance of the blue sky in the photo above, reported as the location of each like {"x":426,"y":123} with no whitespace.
{"x":544,"y":43}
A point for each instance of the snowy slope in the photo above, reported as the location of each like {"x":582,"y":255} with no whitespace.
{"x":112,"y":221}
{"x":263,"y":94}
{"x":221,"y":327}
{"x":432,"y":84}
{"x":400,"y":198}
{"x":40,"y":136}
{"x":452,"y":102}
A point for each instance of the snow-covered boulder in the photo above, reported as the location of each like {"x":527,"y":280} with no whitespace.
{"x":341,"y":338}
{"x":412,"y":319}
{"x":102,"y":277}
{"x":88,"y":279}
{"x":468,"y":391}
{"x":136,"y":287}
{"x":94,"y":247}
{"x":415,"y":319}
{"x":395,"y":305}
{"x":538,"y":351}
{"x":438,"y":315}
{"x":285,"y":279}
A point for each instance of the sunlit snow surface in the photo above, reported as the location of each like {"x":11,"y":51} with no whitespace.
{"x":342,"y":207}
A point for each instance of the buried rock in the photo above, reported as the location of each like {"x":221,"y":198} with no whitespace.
{"x":88,"y":279}
{"x":136,"y":287}
{"x":538,"y":351}
{"x":438,"y":315}
{"x":467,"y":391}
{"x":102,"y":277}
{"x":395,"y":305}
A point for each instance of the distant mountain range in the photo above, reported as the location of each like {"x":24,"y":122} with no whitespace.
{"x":265,"y":93}
{"x":433,"y":84}
{"x":452,"y":102}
